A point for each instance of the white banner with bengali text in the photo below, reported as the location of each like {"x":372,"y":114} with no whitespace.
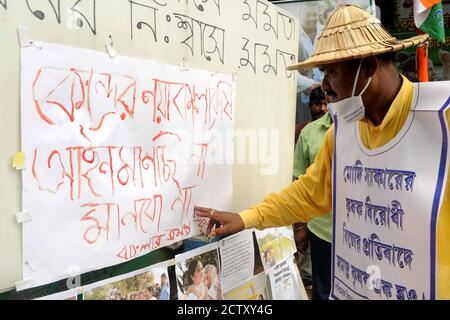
{"x":118,"y":152}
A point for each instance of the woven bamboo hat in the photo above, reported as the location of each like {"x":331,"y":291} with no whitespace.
{"x":351,"y":33}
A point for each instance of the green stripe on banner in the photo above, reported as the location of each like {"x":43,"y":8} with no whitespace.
{"x":434,"y":23}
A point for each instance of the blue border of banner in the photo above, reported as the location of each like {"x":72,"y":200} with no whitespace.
{"x":437,"y":197}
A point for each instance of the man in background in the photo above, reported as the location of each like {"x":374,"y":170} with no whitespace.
{"x":317,"y":233}
{"x":164,"y":295}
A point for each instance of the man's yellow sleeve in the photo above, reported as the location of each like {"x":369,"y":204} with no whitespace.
{"x":304,"y":199}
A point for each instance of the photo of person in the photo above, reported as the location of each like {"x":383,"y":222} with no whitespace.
{"x":148,"y":285}
{"x":198,"y":274}
{"x":275,"y":244}
{"x":212,"y":282}
{"x":269,"y":257}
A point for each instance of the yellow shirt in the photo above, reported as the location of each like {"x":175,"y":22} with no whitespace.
{"x":310,"y":195}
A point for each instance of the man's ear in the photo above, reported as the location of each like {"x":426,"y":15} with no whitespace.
{"x":371,"y":65}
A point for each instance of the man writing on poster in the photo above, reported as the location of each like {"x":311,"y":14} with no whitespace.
{"x":382,"y":168}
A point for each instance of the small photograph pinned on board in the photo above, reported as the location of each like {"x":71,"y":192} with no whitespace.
{"x":284,"y":281}
{"x":198,"y":274}
{"x":149,"y":285}
{"x":275,"y":244}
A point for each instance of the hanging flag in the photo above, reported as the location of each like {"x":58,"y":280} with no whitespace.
{"x":429,"y":17}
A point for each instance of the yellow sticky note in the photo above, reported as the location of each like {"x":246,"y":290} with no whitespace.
{"x":19,"y":161}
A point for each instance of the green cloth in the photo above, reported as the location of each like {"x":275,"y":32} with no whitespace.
{"x":431,"y":21}
{"x":308,"y":145}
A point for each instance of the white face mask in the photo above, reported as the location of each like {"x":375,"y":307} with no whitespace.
{"x":350,"y":109}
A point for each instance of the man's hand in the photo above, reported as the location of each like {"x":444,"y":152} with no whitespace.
{"x":301,"y":237}
{"x":224,"y":222}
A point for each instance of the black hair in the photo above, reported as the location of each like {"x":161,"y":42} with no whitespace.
{"x":189,"y":273}
{"x":383,"y":58}
{"x":316,"y":96}
{"x":387,"y":57}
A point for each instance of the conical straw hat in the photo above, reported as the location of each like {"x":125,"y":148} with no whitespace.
{"x":352,"y":33}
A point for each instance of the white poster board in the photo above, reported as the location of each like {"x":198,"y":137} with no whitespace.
{"x":119,"y":151}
